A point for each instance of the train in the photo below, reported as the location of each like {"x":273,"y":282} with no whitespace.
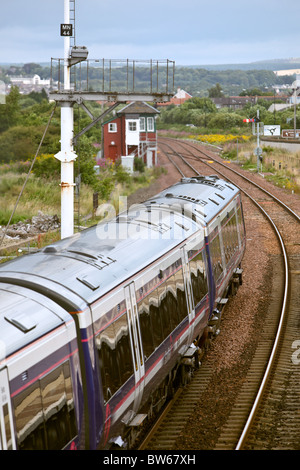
{"x":98,"y":329}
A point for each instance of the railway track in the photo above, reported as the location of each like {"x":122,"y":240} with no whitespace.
{"x":266,"y":412}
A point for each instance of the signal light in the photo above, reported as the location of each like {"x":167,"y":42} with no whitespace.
{"x":251,"y":120}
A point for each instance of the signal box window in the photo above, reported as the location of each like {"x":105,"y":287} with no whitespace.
{"x":150,"y":124}
{"x":132,"y":126}
{"x":112,"y":127}
{"x":142,"y":124}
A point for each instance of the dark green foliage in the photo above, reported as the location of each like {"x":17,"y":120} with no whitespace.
{"x":85,"y":162}
{"x":139,"y":165}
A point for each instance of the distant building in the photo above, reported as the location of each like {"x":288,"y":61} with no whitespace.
{"x":281,"y":73}
{"x":132,"y":132}
{"x":28,"y":84}
{"x":234,"y":102}
{"x":179,"y":98}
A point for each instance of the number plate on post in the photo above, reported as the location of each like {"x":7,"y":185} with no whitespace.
{"x":66,"y":29}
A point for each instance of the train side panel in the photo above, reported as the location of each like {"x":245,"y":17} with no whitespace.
{"x":134,"y":359}
{"x":226,"y":244}
{"x":43,"y":376}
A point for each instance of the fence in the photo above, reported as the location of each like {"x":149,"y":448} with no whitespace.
{"x":116,"y":76}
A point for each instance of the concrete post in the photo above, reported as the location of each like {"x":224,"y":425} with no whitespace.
{"x":67,"y":156}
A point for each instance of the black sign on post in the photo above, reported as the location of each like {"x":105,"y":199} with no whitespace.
{"x":66,"y":30}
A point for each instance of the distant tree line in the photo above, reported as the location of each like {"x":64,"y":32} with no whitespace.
{"x":203,"y":114}
{"x":23,"y":117}
{"x":197,"y":81}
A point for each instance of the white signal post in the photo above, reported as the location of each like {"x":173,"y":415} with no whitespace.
{"x":257,"y":132}
{"x":258,"y":150}
{"x":67,"y":156}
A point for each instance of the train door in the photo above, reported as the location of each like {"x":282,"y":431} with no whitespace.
{"x":136,"y":344}
{"x":187,"y":284}
{"x":7,"y":435}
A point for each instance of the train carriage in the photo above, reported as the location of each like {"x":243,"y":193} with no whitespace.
{"x":40,"y":371}
{"x":129,"y":297}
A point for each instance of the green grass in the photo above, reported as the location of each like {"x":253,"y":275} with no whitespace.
{"x":5,"y":216}
{"x":44,"y":194}
{"x":39,"y":194}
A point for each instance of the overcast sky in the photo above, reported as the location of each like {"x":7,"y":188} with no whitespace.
{"x":191,"y":32}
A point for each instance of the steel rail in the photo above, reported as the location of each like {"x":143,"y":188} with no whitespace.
{"x":272,"y":356}
{"x":237,"y":173}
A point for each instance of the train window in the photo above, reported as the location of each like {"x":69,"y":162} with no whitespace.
{"x":115,"y":358}
{"x":172,"y":302}
{"x":7,"y":427}
{"x":29,"y":419}
{"x":230,"y":235}
{"x":240,"y":222}
{"x":227,"y":238}
{"x":55,"y":409}
{"x":180,"y":295}
{"x":146,"y":327}
{"x":155,"y":319}
{"x":163,"y":310}
{"x":198,"y":280}
{"x":70,"y":399}
{"x":123,"y":351}
{"x":109,"y":365}
{"x":215,"y":252}
{"x":44,"y":412}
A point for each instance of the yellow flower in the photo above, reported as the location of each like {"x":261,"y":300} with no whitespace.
{"x":219,"y":138}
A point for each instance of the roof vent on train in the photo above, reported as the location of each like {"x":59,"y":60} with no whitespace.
{"x":207,"y":180}
{"x":100,"y":261}
{"x":190,"y":199}
{"x":50,"y":249}
{"x":89,"y":281}
{"x":21,"y":321}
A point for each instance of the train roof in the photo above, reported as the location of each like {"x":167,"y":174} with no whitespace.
{"x":202,"y":196}
{"x":90,"y":263}
{"x":25,"y":316}
{"x":95,"y":260}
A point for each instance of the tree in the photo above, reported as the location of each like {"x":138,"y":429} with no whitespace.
{"x":10,"y":110}
{"x":85,"y":162}
{"x":204,"y":104}
{"x":216,"y":91}
{"x":225,"y":120}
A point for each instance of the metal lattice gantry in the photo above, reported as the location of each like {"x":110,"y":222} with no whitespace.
{"x":114,"y":80}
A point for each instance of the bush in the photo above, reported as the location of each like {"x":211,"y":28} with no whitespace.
{"x":225,"y":120}
{"x":139,"y":165}
{"x":122,"y":175}
{"x":46,"y":166}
